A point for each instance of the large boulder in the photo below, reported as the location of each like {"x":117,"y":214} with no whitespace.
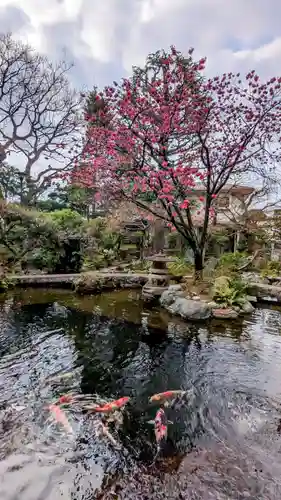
{"x":190,"y":309}
{"x":247,"y":307}
{"x":171,"y":294}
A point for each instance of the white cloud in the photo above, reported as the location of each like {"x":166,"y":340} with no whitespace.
{"x":233,"y":34}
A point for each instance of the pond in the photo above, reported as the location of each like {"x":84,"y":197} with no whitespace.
{"x":223,"y":437}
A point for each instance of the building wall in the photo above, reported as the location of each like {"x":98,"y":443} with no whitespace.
{"x":228,"y":208}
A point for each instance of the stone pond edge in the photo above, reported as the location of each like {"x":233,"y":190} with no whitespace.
{"x":174,"y":299}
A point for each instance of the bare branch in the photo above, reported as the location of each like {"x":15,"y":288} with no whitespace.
{"x":40,"y":116}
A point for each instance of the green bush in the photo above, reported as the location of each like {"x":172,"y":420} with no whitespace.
{"x":110,"y":240}
{"x":229,"y":292}
{"x":271,"y":269}
{"x":93,"y":264}
{"x":231,"y":262}
{"x":67,"y":220}
{"x":180,"y":267}
{"x":172,"y":240}
{"x":103,"y":258}
{"x":5,"y":283}
{"x":44,"y":258}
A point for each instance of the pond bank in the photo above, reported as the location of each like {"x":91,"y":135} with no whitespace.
{"x":85,"y":283}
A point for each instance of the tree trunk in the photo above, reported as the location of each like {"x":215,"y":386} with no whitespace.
{"x":198,"y":266}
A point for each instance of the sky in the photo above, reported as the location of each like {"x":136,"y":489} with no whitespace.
{"x":104,"y":38}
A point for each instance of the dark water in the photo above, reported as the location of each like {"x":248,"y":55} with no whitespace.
{"x":223,"y":443}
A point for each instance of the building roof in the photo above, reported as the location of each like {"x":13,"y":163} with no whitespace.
{"x":229,"y":188}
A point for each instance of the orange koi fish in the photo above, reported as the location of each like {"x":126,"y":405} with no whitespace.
{"x":163,"y":396}
{"x":60,"y":417}
{"x":109,"y":407}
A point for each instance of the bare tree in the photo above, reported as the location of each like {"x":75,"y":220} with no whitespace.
{"x":252,"y":208}
{"x":40,"y":115}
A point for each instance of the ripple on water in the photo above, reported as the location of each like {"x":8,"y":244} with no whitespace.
{"x":225,"y":444}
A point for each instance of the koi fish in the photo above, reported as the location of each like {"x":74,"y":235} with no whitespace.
{"x":160,"y":429}
{"x":163,"y":396}
{"x":60,"y":417}
{"x":65,"y":399}
{"x":78,"y":398}
{"x":109,"y":407}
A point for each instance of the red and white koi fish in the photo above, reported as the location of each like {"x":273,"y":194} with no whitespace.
{"x":60,"y":417}
{"x":160,"y":427}
{"x":161,"y":430}
{"x":164,"y":396}
{"x":108,"y":407}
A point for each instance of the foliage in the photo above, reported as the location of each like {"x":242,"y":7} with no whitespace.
{"x":96,"y":227}
{"x":140,"y":265}
{"x":5,"y":283}
{"x":10,"y":182}
{"x":105,"y":245}
{"x":110,"y":240}
{"x":172,"y":240}
{"x":220,"y":237}
{"x":272,"y":269}
{"x":180,"y":267}
{"x":67,"y":224}
{"x":67,"y":220}
{"x":22,"y":231}
{"x":229,"y":292}
{"x":93,"y":264}
{"x":45,"y":258}
{"x":156,"y":135}
{"x":69,"y":196}
{"x":230,"y":262}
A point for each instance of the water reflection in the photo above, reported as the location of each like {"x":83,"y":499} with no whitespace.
{"x":225,"y":443}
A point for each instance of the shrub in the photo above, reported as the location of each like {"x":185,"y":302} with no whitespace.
{"x":94,"y":264}
{"x":271,"y":269}
{"x":229,"y":292}
{"x":180,"y":267}
{"x":230,"y":262}
{"x":172,"y":240}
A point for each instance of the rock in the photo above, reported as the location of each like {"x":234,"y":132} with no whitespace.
{"x":171,"y":294}
{"x":175,"y":288}
{"x":237,"y":309}
{"x":214,"y":305}
{"x":92,"y":282}
{"x":190,"y":309}
{"x":150,"y":293}
{"x":247,"y":308}
{"x":227,"y":313}
{"x":253,"y":278}
{"x":251,"y":298}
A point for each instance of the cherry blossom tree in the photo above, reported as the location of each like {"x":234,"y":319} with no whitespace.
{"x":168,"y":130}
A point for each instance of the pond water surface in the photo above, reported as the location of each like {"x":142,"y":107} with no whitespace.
{"x":223,"y":440}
